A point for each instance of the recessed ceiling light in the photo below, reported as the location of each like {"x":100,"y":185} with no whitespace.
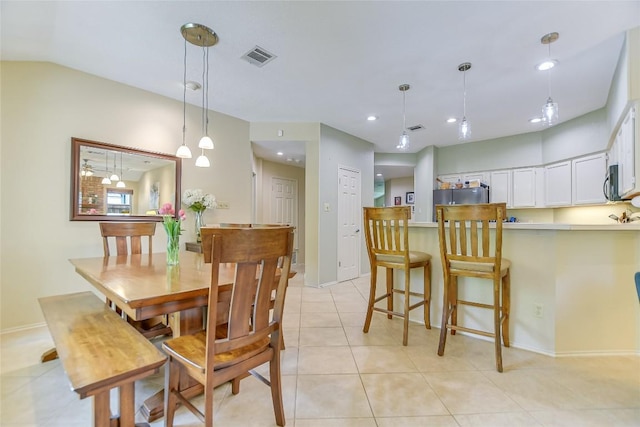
{"x":289,"y":159}
{"x":378,"y":174}
{"x":452,"y":120}
{"x":546,"y":65}
{"x":535,"y":120}
{"x":280,"y":153}
{"x":372,"y":118}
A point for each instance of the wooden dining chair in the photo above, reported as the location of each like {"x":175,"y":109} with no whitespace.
{"x":470,"y":247}
{"x":128,"y":238}
{"x":253,"y":333}
{"x":387,"y":237}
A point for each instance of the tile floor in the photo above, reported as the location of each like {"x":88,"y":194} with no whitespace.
{"x":334,"y":375}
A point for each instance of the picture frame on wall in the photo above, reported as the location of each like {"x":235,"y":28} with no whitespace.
{"x":397,"y":201}
{"x":410,"y":197}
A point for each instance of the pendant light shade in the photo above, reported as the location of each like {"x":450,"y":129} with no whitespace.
{"x":202,"y":161}
{"x":198,"y":35}
{"x":403,"y":142}
{"x":464,"y":128}
{"x":550,"y":108}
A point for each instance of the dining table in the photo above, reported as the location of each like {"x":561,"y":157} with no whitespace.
{"x":144,"y":286}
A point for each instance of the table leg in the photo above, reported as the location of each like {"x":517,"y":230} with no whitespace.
{"x":101,"y":410}
{"x":182,"y":323}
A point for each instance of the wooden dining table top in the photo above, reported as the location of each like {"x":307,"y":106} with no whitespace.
{"x":144,"y":286}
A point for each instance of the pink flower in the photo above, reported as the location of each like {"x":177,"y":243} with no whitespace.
{"x":182,"y":215}
{"x":167,"y":209}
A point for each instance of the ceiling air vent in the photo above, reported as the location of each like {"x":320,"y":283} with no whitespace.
{"x":415,"y":128}
{"x":258,"y":56}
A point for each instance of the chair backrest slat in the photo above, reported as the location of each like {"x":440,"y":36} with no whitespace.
{"x":127,"y":236}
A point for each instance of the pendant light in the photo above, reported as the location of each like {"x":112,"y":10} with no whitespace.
{"x":114,"y":176}
{"x":464,"y":128}
{"x":183,"y":151}
{"x":550,"y":108}
{"x":198,"y":35}
{"x":121,"y":183}
{"x":403,"y":142}
{"x":106,"y":180}
{"x":87,"y":170}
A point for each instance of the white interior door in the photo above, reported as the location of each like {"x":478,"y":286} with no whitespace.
{"x":349,"y":219}
{"x":284,"y":206}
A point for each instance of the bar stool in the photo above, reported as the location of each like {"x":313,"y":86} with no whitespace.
{"x":387,"y":236}
{"x":469,"y":249}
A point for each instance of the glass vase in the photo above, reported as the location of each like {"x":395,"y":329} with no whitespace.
{"x":173,"y":249}
{"x":198,"y":225}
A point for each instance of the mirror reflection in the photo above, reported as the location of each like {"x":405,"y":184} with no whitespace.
{"x":111,"y":182}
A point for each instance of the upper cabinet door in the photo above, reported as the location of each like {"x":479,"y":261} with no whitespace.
{"x":558,"y":184}
{"x":500,"y":187}
{"x":524,"y":188}
{"x":588,"y":177}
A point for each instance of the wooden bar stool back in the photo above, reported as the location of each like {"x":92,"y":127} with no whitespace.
{"x":387,"y":237}
{"x":469,"y":247}
{"x":253,"y":332}
{"x":128,"y":237}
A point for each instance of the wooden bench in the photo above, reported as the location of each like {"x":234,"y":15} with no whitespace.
{"x":100,"y":351}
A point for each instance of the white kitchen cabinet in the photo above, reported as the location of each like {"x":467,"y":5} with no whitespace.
{"x":524,"y":188}
{"x":500,"y":187}
{"x":557,"y":186}
{"x":588,"y":175}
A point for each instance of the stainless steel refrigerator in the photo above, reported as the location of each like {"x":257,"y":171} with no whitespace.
{"x":462,"y":196}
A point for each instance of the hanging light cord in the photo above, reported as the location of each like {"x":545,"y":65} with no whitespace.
{"x":404,"y":119}
{"x":184,"y":94}
{"x":464,"y":94}
{"x":549,"y":73}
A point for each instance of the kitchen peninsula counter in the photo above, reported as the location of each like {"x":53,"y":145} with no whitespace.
{"x":580,"y":275}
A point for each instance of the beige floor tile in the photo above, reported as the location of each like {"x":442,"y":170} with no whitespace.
{"x":318,"y":307}
{"x":336,"y":422}
{"x":430,"y":421}
{"x":331,"y":396}
{"x":502,"y":419}
{"x":536,"y":390}
{"x":253,"y":405}
{"x":326,"y":360}
{"x":589,"y":418}
{"x":426,"y":359}
{"x":394,"y":395}
{"x":377,"y":335}
{"x":352,"y":307}
{"x":352,"y":319}
{"x":320,"y":320}
{"x":469,"y":393}
{"x":315,"y":337}
{"x":382,"y":359}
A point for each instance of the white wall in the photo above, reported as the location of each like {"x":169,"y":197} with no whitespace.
{"x":42,"y":106}
{"x":397,"y":187}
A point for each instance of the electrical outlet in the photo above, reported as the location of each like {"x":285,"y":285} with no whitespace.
{"x":537,"y":310}
{"x":223,"y":205}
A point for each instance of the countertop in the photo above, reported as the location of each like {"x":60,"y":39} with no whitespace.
{"x":634,"y":226}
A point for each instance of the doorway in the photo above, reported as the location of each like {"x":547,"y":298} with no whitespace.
{"x":284,"y":207}
{"x":349,"y":219}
